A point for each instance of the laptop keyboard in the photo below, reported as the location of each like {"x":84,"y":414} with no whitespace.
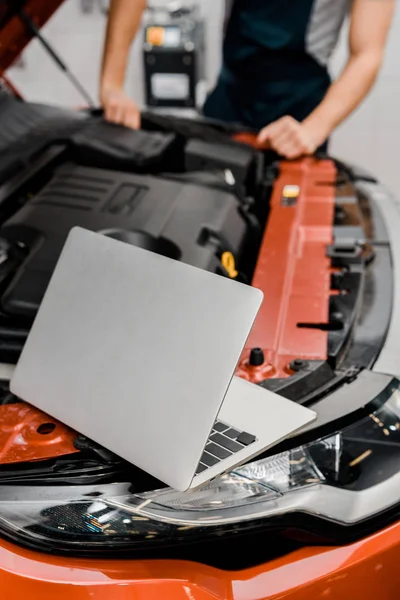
{"x":224,"y":441}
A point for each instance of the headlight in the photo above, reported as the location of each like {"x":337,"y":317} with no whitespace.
{"x":345,"y":478}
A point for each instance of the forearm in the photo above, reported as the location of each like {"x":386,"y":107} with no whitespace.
{"x":123,"y":24}
{"x":345,"y":94}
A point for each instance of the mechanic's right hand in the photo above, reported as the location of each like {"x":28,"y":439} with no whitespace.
{"x":119,"y":108}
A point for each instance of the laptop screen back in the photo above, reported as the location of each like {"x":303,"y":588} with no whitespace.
{"x":135,"y":351}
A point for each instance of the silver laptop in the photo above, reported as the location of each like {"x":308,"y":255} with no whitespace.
{"x":137,"y":352}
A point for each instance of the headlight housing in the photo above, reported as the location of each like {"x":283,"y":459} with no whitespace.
{"x":343,"y":478}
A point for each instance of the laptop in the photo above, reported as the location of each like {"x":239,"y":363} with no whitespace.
{"x":137,"y":352}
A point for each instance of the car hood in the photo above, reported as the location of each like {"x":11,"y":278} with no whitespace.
{"x":14,"y":34}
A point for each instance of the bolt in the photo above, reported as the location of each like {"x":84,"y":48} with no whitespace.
{"x":298,"y":364}
{"x":256,"y":357}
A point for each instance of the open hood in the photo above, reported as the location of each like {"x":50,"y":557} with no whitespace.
{"x":14,"y":32}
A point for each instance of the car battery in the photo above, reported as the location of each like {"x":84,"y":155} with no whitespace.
{"x":173,"y":54}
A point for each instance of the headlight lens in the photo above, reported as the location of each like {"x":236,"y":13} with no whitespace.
{"x":346,"y":477}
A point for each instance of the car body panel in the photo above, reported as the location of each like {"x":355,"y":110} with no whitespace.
{"x":292,"y":268}
{"x":28,"y":434}
{"x":367,"y":569}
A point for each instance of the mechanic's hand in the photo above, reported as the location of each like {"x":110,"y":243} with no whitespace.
{"x":289,"y":138}
{"x":119,"y":108}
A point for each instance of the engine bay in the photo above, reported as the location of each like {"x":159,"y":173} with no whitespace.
{"x":147,"y":188}
{"x":190,"y":191}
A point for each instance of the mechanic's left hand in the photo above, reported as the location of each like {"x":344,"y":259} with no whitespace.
{"x":289,"y":138}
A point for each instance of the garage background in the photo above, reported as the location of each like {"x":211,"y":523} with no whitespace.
{"x":370,"y":138}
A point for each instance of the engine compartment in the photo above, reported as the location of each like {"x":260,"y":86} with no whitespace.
{"x":188,"y":190}
{"x":184,"y":189}
{"x":190,"y":199}
{"x":183,"y":221}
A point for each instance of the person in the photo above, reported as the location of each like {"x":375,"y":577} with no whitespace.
{"x":274,"y":77}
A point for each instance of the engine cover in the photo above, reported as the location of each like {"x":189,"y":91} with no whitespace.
{"x":184,"y":221}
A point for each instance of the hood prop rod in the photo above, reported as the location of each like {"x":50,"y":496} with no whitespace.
{"x":56,"y":58}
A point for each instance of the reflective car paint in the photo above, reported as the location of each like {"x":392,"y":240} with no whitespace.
{"x":27,"y":434}
{"x":366,"y":569}
{"x":293,"y":269}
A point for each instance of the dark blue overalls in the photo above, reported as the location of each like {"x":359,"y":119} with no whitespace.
{"x":275,"y":57}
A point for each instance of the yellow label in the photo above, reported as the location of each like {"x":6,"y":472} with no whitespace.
{"x":155,"y":36}
{"x":228,"y":262}
{"x":291,"y":191}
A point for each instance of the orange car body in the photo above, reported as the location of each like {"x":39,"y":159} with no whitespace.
{"x":366,"y":569}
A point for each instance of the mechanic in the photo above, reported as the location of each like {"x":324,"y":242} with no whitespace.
{"x":274,"y":78}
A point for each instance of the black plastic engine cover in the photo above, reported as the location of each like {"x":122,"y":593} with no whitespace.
{"x":26,"y":129}
{"x":107,"y":146}
{"x":181,"y":220}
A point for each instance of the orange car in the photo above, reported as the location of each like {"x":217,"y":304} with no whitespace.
{"x":316,"y":517}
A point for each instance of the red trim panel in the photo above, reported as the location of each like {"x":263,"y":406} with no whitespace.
{"x":27,"y":434}
{"x":293,"y":270}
